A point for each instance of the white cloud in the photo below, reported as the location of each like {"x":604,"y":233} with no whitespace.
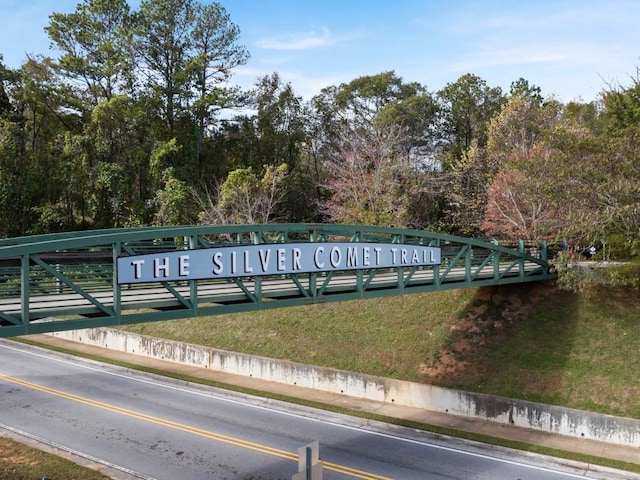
{"x":298,"y":40}
{"x":304,"y":85}
{"x":525,"y":55}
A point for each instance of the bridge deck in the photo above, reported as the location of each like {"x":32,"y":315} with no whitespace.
{"x":70,"y":282}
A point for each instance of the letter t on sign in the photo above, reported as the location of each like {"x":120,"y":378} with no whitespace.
{"x":137,"y":268}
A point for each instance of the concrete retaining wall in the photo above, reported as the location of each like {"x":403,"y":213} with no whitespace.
{"x":564,"y":421}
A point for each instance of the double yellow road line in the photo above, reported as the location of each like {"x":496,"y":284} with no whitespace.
{"x":238,"y":442}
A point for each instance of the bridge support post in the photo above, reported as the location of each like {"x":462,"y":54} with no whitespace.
{"x":496,"y":261}
{"x":544,"y":252}
{"x":521,"y":251}
{"x":313,"y":285}
{"x":117,"y":289}
{"x":193,"y":284}
{"x":24,"y":290}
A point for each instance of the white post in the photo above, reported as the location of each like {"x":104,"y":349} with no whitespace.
{"x":309,"y":464}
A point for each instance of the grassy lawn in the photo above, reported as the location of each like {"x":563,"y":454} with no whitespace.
{"x":390,"y":336}
{"x":20,"y":462}
{"x":528,"y":341}
{"x":580,"y":351}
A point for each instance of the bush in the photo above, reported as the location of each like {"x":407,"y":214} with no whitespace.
{"x":618,"y":248}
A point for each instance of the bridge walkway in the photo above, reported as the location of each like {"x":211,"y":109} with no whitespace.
{"x":114,"y":277}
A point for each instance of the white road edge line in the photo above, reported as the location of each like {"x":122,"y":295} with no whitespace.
{"x":312,"y":419}
{"x":76,"y":453}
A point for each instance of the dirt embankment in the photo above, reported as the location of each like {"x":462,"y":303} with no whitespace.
{"x":493,"y":313}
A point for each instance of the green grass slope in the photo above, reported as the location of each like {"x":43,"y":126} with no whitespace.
{"x":530,"y":341}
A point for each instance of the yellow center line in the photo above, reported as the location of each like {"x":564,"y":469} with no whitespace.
{"x":189,"y":429}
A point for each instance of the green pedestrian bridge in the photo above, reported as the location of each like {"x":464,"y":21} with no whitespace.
{"x":114,"y":277}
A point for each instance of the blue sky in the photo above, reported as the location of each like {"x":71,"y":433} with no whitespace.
{"x":572,"y":49}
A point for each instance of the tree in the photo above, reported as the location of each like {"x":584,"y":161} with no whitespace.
{"x":276,"y":134}
{"x":6,"y":78}
{"x":187,"y":52}
{"x":522,"y":200}
{"x":127,"y":84}
{"x":466,"y":196}
{"x":365,"y":180}
{"x":362,"y":99}
{"x":172,"y":201}
{"x":215,"y":54}
{"x":357,"y":105}
{"x":121,"y":145}
{"x":522,"y":88}
{"x":357,"y":124}
{"x":514,"y":133}
{"x":95,"y":42}
{"x":245,"y":198}
{"x":163,"y":43}
{"x":416,"y":116}
{"x":522,"y":124}
{"x":605,"y":167}
{"x":622,"y":107}
{"x":29,"y":149}
{"x":606,"y":192}
{"x":467,"y":107}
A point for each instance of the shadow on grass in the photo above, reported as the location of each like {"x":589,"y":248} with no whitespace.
{"x":512,"y":340}
{"x":536,"y":342}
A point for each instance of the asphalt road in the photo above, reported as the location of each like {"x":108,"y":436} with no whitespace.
{"x":162,"y":429}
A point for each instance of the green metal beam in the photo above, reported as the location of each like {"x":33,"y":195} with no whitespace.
{"x":69,"y":281}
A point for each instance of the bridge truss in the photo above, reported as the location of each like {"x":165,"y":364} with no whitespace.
{"x":70,"y":281}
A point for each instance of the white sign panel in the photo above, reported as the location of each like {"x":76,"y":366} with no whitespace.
{"x":271,"y":259}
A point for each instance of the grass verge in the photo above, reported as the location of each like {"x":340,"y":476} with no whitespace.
{"x":21,"y":462}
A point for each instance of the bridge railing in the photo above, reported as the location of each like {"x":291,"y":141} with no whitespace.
{"x":70,"y":279}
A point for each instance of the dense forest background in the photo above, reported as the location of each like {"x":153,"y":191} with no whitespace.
{"x":137,"y":122}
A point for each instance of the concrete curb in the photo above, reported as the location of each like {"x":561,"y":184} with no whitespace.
{"x":519,"y":413}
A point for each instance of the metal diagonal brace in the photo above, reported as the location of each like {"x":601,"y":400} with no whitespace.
{"x":63,"y":278}
{"x":453,"y":262}
{"x":178,"y":295}
{"x":251,"y":296}
{"x":303,"y":290}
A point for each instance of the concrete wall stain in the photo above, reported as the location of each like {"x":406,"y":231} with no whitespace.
{"x":549,"y":418}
